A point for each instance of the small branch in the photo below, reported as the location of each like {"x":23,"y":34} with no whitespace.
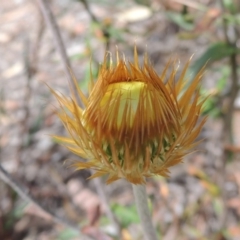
{"x":140,"y":195}
{"x":233,"y":96}
{"x":34,"y":55}
{"x":234,"y":87}
{"x":85,"y":3}
{"x":49,"y":17}
{"x":23,"y":193}
{"x":51,"y":22}
{"x":104,"y":28}
{"x":228,"y":119}
{"x":24,"y":122}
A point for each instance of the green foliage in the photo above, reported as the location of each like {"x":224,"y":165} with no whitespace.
{"x":16,"y":213}
{"x":218,"y":206}
{"x":68,"y":234}
{"x":126,"y":214}
{"x":143,"y":2}
{"x":229,"y":5}
{"x":84,"y":83}
{"x":211,"y":106}
{"x":232,"y":19}
{"x":214,"y":52}
{"x":184,"y":21}
{"x":108,"y":29}
{"x":115,"y":33}
{"x":78,"y":56}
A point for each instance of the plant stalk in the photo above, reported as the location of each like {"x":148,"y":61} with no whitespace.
{"x":141,"y":200}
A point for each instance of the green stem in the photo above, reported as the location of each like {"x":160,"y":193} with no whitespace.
{"x":140,"y":195}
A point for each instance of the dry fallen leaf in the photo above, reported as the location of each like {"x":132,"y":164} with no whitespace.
{"x":14,"y":70}
{"x":137,"y":13}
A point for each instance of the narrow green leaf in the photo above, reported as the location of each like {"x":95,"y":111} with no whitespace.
{"x":181,"y":20}
{"x":214,"y":53}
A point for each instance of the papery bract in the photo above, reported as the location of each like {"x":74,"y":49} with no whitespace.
{"x":135,"y":123}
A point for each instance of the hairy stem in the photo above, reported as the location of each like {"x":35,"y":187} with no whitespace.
{"x":140,"y":195}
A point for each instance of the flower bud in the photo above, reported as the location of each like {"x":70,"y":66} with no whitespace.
{"x":135,"y":123}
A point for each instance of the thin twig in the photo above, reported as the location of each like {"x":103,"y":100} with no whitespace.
{"x":51,"y":22}
{"x":85,"y":3}
{"x":31,"y":56}
{"x":23,"y":123}
{"x":234,"y":87}
{"x":140,"y":196}
{"x":103,"y":27}
{"x":24,"y":194}
{"x":34,"y":55}
{"x":49,"y":17}
{"x":228,"y":118}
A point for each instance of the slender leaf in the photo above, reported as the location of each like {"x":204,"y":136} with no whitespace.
{"x":181,"y":20}
{"x":214,"y":53}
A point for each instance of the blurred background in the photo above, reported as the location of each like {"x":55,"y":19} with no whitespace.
{"x":200,"y":200}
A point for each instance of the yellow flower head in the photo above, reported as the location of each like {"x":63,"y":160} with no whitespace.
{"x":135,"y":123}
